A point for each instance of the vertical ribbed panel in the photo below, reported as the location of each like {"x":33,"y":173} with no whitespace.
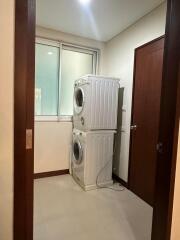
{"x":101,"y":102}
{"x":104,"y":100}
{"x":99,"y":152}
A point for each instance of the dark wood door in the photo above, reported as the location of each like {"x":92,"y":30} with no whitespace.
{"x":145,"y":118}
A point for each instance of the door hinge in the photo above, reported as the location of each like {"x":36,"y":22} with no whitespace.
{"x":29,"y":138}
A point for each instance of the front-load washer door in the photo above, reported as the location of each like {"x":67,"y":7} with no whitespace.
{"x":78,"y":100}
{"x":77,"y":152}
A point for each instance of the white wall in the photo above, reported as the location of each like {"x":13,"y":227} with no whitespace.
{"x":175,"y":231}
{"x":53,"y":139}
{"x":52,"y":146}
{"x":119,"y":56}
{"x":6,"y":118}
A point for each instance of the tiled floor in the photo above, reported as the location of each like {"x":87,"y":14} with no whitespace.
{"x":63,"y":211}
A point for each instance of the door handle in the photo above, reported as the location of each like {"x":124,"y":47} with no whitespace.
{"x":159,"y":147}
{"x":133,"y":127}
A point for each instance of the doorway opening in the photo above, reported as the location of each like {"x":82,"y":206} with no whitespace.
{"x":69,"y":140}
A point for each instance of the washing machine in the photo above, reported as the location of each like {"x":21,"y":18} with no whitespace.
{"x":95,"y":103}
{"x":92,"y":154}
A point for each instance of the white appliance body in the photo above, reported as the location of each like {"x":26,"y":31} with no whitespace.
{"x":95,"y":103}
{"x":92,"y":154}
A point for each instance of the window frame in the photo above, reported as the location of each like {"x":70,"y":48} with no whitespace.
{"x":71,"y":47}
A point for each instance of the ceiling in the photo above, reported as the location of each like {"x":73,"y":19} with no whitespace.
{"x":99,"y":20}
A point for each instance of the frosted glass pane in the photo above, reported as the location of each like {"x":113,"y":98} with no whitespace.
{"x":46,"y":80}
{"x":74,"y":65}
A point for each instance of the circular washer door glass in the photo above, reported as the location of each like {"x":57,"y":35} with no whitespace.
{"x":77,"y":152}
{"x":79,"y":100}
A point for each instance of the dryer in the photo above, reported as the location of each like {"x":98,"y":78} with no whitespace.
{"x":92,"y":154}
{"x":95,"y":103}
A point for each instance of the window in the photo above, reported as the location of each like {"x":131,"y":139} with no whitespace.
{"x":47,"y":75}
{"x":57,"y":67}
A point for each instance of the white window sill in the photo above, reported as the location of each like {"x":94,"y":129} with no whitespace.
{"x":53,"y":118}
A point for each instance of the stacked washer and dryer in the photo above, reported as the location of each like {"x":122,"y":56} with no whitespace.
{"x":94,"y":122}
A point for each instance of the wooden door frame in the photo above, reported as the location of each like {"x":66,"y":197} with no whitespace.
{"x":168,"y":126}
{"x":132,"y":108}
{"x":24,"y":119}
